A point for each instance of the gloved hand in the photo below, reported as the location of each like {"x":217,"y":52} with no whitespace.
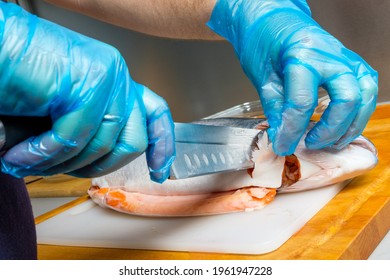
{"x":288,"y":56}
{"x":102,"y":119}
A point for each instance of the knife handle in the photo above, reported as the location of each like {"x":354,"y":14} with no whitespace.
{"x":14,"y":130}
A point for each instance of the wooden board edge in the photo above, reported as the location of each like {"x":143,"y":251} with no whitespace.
{"x":60,"y":209}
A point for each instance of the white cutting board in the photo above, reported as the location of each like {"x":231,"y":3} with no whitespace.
{"x":256,"y":232}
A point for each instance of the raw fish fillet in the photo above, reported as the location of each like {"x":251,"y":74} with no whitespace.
{"x":129,"y":189}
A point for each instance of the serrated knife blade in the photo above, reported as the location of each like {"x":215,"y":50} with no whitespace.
{"x":206,"y":149}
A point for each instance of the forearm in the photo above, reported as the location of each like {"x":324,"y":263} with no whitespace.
{"x":182,"y":19}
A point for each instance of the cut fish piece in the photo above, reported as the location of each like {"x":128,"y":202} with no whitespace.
{"x":244,"y":199}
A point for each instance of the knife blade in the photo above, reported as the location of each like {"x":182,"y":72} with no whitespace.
{"x":205,"y":149}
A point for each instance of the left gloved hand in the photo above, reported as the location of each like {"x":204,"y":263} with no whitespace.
{"x":102,"y":119}
{"x":288,"y":56}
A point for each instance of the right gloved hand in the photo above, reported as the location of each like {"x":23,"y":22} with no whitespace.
{"x":288,"y":56}
{"x":102,"y":119}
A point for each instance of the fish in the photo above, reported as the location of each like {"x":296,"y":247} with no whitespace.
{"x":130,"y":190}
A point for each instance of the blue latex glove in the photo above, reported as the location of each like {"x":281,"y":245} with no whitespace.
{"x":102,"y":119}
{"x":288,"y":56}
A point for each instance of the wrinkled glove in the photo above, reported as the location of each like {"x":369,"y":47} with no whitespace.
{"x":288,"y":56}
{"x":102,"y":119}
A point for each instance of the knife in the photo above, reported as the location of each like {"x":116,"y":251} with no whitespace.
{"x":200,"y":149}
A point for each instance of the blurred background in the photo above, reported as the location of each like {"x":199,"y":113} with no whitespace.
{"x":200,"y":78}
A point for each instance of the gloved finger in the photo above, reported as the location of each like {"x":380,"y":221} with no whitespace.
{"x":105,"y":138}
{"x":131,"y":143}
{"x":345,"y":101}
{"x":67,"y":138}
{"x":301,"y":86}
{"x":369,"y":91}
{"x":161,"y":150}
{"x":272,"y":100}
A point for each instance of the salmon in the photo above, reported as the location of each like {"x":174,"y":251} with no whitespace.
{"x":130,"y":190}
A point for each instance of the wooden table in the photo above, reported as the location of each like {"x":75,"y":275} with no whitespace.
{"x":350,"y":226}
